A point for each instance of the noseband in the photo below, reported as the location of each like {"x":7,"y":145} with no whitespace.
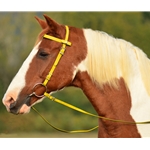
{"x":65,"y":43}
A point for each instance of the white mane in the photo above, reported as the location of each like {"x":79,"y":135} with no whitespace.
{"x":109,"y":59}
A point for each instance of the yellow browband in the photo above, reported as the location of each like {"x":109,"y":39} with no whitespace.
{"x":57,"y":39}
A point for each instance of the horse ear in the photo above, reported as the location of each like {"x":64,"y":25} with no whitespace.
{"x":42,"y":23}
{"x":51,"y":23}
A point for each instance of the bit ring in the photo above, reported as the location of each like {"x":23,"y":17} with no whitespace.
{"x":34,"y":93}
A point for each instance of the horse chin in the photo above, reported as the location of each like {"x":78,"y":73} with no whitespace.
{"x":24,"y":109}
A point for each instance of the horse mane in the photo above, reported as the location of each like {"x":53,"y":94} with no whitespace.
{"x":110,"y":58}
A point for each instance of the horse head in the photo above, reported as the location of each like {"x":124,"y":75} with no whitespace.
{"x":19,"y":96}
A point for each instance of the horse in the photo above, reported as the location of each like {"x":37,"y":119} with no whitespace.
{"x":112,"y":73}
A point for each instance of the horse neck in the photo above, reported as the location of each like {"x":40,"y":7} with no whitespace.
{"x":108,"y":102}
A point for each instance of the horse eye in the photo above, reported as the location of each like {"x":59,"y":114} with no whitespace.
{"x":43,"y":54}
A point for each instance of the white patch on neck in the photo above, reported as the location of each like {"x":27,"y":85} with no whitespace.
{"x":18,"y":81}
{"x":140,"y":110}
{"x":81,"y":67}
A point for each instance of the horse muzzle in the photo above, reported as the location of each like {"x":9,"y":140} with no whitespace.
{"x":20,"y":108}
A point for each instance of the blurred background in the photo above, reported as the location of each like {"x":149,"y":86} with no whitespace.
{"x":18,"y":32}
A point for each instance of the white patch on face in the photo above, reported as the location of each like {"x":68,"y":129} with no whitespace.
{"x":18,"y":82}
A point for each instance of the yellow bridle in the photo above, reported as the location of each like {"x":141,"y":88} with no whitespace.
{"x":60,"y":54}
{"x":48,"y":77}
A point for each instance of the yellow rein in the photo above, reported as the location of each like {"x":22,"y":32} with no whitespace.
{"x":48,"y":77}
{"x":84,"y":112}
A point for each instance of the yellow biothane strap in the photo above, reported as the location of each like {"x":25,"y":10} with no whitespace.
{"x":90,"y":114}
{"x":66,"y":42}
{"x":57,"y":39}
{"x":84,"y":112}
{"x":48,"y":77}
{"x":62,"y":130}
{"x":60,"y":54}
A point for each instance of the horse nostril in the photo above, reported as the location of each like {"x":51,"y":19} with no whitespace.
{"x":12,"y":104}
{"x":9,"y":102}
